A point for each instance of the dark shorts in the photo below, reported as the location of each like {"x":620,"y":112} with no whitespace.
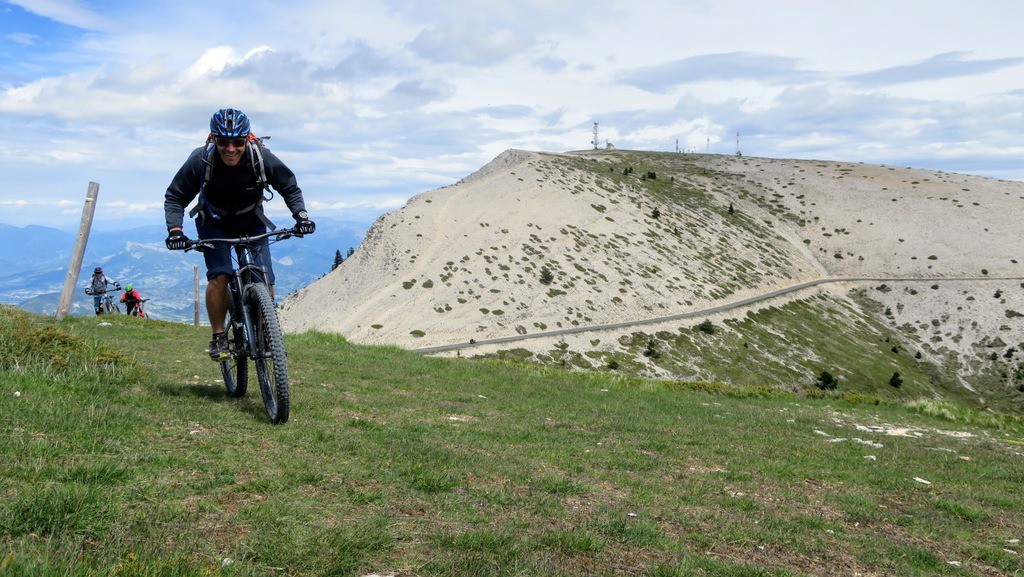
{"x":218,"y":260}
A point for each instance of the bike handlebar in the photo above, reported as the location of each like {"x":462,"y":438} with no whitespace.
{"x":242,"y":240}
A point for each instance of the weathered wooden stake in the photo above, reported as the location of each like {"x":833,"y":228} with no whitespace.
{"x":195,"y":291}
{"x":64,"y":304}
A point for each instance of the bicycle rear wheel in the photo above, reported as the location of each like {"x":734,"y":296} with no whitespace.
{"x":268,"y":353}
{"x":235,"y":368}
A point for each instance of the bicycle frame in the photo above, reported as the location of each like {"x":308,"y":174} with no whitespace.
{"x":246,"y":273}
{"x":253,"y":325}
{"x":107,"y":304}
{"x":243,"y":277}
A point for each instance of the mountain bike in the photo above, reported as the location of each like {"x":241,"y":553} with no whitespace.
{"x":138,"y":311}
{"x":107,"y":304}
{"x":252,"y":325}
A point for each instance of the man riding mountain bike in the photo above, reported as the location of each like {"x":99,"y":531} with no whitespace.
{"x":97,"y":286}
{"x":229,"y":174}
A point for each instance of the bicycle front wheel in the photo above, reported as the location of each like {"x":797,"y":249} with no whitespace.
{"x":268,"y":353}
{"x":235,"y":368}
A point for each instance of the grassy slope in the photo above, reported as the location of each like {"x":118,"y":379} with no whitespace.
{"x":393,"y":462}
{"x":784,"y":347}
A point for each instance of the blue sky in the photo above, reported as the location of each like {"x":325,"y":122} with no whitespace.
{"x":371,"y":103}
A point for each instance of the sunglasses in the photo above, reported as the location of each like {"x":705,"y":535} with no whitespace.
{"x":236,"y":142}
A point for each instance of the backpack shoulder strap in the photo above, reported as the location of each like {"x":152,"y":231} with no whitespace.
{"x":255,"y":145}
{"x":207,"y":173}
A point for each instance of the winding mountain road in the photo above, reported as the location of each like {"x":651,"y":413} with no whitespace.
{"x":703,"y":312}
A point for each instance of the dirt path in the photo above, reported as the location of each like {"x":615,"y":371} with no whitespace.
{"x":703,"y":312}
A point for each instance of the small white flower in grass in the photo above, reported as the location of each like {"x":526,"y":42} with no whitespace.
{"x":954,"y":563}
{"x":227,"y":561}
{"x":922,"y":481}
{"x":482,"y":397}
{"x":17,"y":393}
{"x":871,"y":457}
{"x":604,"y":390}
{"x":631,"y":514}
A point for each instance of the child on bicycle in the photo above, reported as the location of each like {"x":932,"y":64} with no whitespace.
{"x":131,"y":299}
{"x":98,"y":285}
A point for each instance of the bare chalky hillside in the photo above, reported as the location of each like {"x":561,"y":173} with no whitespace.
{"x":534,"y":243}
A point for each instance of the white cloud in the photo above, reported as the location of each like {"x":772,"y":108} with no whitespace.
{"x":70,"y":12}
{"x":370,"y":104}
{"x":213,"y":61}
{"x":466,"y":43}
{"x":24,"y":38}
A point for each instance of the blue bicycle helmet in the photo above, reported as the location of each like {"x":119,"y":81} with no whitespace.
{"x":229,"y":123}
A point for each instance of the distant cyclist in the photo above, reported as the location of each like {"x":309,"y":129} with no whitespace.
{"x":98,"y":285}
{"x":229,"y":175}
{"x":131,"y":299}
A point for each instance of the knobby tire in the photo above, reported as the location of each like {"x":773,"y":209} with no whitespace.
{"x":268,"y":353}
{"x":235,"y":368}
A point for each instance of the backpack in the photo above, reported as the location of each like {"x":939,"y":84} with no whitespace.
{"x":255,"y":148}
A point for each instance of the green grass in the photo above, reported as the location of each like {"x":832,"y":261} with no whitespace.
{"x":122,"y":455}
{"x":787,"y":347}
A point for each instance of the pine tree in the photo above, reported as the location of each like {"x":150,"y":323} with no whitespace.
{"x":896,"y":381}
{"x":827,"y":382}
{"x":337,"y":259}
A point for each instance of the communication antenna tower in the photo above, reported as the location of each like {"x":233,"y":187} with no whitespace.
{"x":596,"y":140}
{"x":677,"y":145}
{"x":738,"y":153}
{"x":709,"y":145}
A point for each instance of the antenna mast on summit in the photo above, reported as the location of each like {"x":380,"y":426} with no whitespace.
{"x":596,"y":140}
{"x":738,"y":144}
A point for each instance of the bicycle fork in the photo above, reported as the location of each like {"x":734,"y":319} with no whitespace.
{"x":240,"y":319}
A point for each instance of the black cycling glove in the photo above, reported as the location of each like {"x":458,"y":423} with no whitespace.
{"x":176,"y":240}
{"x":303,"y":225}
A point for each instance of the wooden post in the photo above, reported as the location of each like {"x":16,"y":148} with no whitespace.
{"x":64,"y":304}
{"x":195,"y":291}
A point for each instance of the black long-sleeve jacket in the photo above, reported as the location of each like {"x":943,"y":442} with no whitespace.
{"x":231,"y":188}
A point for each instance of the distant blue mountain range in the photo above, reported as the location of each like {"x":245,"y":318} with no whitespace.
{"x":34,"y":261}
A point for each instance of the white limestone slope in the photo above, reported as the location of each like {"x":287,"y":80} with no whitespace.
{"x":463,"y":262}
